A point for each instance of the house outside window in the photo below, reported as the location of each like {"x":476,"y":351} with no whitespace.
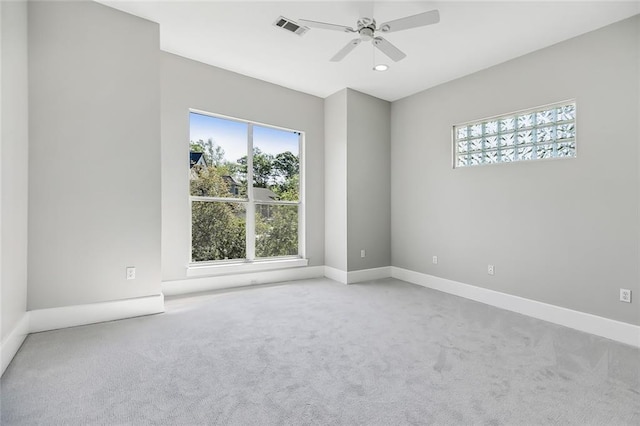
{"x":244,"y":190}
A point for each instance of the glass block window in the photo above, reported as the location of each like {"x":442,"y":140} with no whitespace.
{"x":545,"y":132}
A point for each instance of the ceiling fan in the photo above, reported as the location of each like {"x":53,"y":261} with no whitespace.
{"x":368,"y":30}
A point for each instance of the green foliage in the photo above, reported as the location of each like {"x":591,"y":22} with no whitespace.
{"x":208,"y":182}
{"x":262,"y":168}
{"x":217,"y":231}
{"x":218,"y":228}
{"x":286,"y":165}
{"x":289,"y":189}
{"x":196,"y":146}
{"x":213,"y":153}
{"x":276,"y":231}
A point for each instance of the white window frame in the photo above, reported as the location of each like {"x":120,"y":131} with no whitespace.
{"x":251,"y":263}
{"x":534,"y":128}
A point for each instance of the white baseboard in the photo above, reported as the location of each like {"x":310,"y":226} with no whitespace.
{"x":10,"y":345}
{"x":357,"y":276}
{"x":71,"y":316}
{"x":195,"y":285}
{"x":336,"y":274}
{"x":600,"y":326}
{"x":368,"y":274}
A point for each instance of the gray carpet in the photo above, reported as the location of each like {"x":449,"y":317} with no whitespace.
{"x":318,"y":352}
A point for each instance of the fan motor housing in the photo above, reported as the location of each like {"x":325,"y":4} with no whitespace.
{"x":366,"y":22}
{"x":366,"y":33}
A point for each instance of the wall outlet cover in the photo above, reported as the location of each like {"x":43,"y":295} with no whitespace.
{"x":625,"y":295}
{"x":131,"y":273}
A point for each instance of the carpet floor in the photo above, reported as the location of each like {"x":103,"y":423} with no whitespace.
{"x":318,"y":352}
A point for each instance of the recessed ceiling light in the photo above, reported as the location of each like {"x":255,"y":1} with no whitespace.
{"x":381,"y":67}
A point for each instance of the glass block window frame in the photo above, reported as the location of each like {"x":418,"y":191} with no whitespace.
{"x":534,"y":134}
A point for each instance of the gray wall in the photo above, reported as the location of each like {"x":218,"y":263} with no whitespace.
{"x":357,"y":181}
{"x":190,"y":84}
{"x":565,"y":232}
{"x":94,"y":155}
{"x":368,"y":181}
{"x":14,"y":164}
{"x":335,"y":190}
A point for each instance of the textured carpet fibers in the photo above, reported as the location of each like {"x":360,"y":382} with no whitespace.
{"x":318,"y":352}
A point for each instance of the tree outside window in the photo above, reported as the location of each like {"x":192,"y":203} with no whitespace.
{"x":230,"y":219}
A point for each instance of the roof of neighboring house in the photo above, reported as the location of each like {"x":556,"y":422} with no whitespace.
{"x":228,"y":179}
{"x":196,"y":158}
{"x":264,"y":194}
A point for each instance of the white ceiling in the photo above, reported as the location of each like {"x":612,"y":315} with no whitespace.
{"x":472,"y":35}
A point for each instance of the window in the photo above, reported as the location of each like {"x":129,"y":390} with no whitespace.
{"x":545,"y":132}
{"x":244,"y":190}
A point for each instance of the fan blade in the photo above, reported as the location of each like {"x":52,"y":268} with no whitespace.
{"x":325,"y":26}
{"x":345,"y":50}
{"x":388,"y":49}
{"x":419,"y":20}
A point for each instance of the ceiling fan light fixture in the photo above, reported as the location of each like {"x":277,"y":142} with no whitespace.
{"x":381,"y":67}
{"x":367,"y":29}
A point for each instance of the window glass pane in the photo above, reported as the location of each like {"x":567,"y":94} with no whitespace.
{"x":490,"y":157}
{"x":525,"y":120}
{"x":506,"y":139}
{"x":507,"y":155}
{"x":475,"y":159}
{"x":567,"y":112}
{"x":462,"y":160}
{"x":525,"y":153}
{"x":276,"y":230}
{"x":544,"y":151}
{"x":491,"y":142}
{"x":507,"y":124}
{"x":545,"y":117}
{"x":525,"y":137}
{"x":491,"y":127}
{"x":217,"y":149}
{"x":217,"y":231}
{"x":276,"y":164}
{"x":545,"y":134}
{"x":475,"y":145}
{"x":476,"y":130}
{"x":566,"y":131}
{"x":567,"y":149}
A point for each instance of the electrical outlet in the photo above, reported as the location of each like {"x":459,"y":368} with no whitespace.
{"x":491,"y":269}
{"x":435,"y":260}
{"x":363,"y":253}
{"x":625,"y":295}
{"x":131,"y":273}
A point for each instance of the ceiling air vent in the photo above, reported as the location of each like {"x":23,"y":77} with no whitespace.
{"x":290,"y":25}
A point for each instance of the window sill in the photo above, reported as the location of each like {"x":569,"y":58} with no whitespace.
{"x":211,"y":269}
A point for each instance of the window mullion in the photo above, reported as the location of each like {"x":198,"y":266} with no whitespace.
{"x":191,"y":232}
{"x":301,"y":182}
{"x":251,"y":208}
